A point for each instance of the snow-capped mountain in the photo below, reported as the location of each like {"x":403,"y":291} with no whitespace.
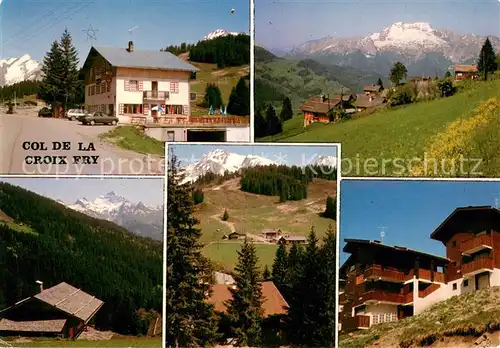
{"x":219,"y":33}
{"x":414,"y":39}
{"x":220,"y":161}
{"x":13,"y":70}
{"x":135,"y":217}
{"x":324,"y":161}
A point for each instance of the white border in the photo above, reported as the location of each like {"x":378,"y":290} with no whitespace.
{"x":164,"y":283}
{"x":252,"y":69}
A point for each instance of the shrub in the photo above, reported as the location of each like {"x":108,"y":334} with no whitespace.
{"x":198,"y":196}
{"x":225,"y":216}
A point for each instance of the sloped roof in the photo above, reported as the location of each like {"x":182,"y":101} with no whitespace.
{"x":71,"y":300}
{"x":32,"y":326}
{"x":465,"y":68}
{"x":372,"y":88}
{"x":322,"y":106}
{"x":273,"y":302}
{"x":365,"y":101}
{"x":120,"y":57}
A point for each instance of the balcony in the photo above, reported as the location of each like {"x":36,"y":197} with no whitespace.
{"x":425,"y":274}
{"x":477,"y":266}
{"x":357,"y":322}
{"x":390,"y":275}
{"x":156,"y":95}
{"x":374,"y":296}
{"x":476,"y":244}
{"x":195,"y":121}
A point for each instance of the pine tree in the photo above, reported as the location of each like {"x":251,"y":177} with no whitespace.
{"x":279,"y":268}
{"x":326,"y":304}
{"x":487,"y":59}
{"x":213,"y":96}
{"x":331,"y":208}
{"x":266,"y":275}
{"x":447,"y":75}
{"x":244,"y":309}
{"x":239,"y":99}
{"x":398,"y":73}
{"x":190,"y":320}
{"x":286,"y":111}
{"x":260,"y":124}
{"x":50,"y":89}
{"x":225,"y":216}
{"x":380,"y":83}
{"x":70,"y":81}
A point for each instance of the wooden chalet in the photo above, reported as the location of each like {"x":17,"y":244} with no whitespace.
{"x":235,"y":235}
{"x":382,"y":281}
{"x":317,"y":109}
{"x":372,"y":89}
{"x":272,"y":234}
{"x":60,"y":311}
{"x":292,"y":240}
{"x":464,"y":72}
{"x":364,"y":102}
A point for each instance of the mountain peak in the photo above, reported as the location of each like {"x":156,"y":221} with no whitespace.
{"x":219,"y":33}
{"x":18,"y":69}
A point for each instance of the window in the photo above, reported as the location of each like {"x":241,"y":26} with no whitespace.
{"x":174,"y":87}
{"x":174,"y":109}
{"x":170,"y":136}
{"x":454,"y":286}
{"x":88,"y":91}
{"x":454,"y":244}
{"x":108,"y":87}
{"x":133,"y":85}
{"x":98,"y":88}
{"x":375,"y":319}
{"x":132,"y":108}
{"x":192,"y":96}
{"x":92,"y":90}
{"x":103,"y":87}
{"x":466,"y":283}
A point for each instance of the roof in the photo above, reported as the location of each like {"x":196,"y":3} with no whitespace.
{"x":318,"y":105}
{"x":372,"y":88}
{"x":273,"y":302}
{"x":120,"y":57}
{"x":351,"y":243}
{"x":455,"y":222}
{"x":295,"y":238}
{"x":33,"y":326}
{"x":223,"y":278}
{"x":365,"y":101}
{"x":270,"y":230}
{"x":71,"y":300}
{"x":465,"y":68}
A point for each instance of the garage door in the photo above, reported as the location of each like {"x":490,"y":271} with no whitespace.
{"x":482,"y":281}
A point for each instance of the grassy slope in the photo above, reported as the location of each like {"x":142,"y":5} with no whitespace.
{"x":466,"y":315}
{"x":251,"y":213}
{"x":130,"y":138}
{"x":399,"y":133}
{"x":226,"y":79}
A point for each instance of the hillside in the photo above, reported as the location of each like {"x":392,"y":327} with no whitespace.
{"x":276,"y":78}
{"x":462,"y":321}
{"x":43,"y":240}
{"x":251,"y":213}
{"x":402,"y":133}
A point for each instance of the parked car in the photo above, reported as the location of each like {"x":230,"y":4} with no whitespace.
{"x":45,"y":112}
{"x":97,"y":117}
{"x":73,"y":114}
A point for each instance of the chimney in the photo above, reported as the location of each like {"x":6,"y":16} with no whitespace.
{"x":130,"y":46}
{"x":41,"y":285}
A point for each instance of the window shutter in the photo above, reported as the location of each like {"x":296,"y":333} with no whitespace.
{"x":140,"y":85}
{"x":186,"y":110}
{"x":127,"y":85}
{"x":146,"y":109}
{"x":120,"y":111}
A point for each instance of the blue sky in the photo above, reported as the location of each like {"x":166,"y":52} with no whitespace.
{"x":30,"y":26}
{"x":289,"y":155}
{"x":284,"y":24}
{"x":409,"y":210}
{"x":68,"y":190}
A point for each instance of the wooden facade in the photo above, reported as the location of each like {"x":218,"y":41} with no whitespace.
{"x":464,"y":72}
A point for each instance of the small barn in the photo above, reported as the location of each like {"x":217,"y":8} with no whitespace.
{"x":292,"y":240}
{"x":318,"y":109}
{"x":464,"y":72}
{"x":364,"y":102}
{"x":60,"y":311}
{"x":271,"y":234}
{"x":372,"y":89}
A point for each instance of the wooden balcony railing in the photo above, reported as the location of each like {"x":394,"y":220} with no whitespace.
{"x":376,"y":271}
{"x":356,"y":322}
{"x":482,"y":263}
{"x":156,"y":95}
{"x":193,"y":120}
{"x":379,"y":295}
{"x":476,"y":242}
{"x":425,"y":274}
{"x":429,"y":290}
{"x":362,"y":321}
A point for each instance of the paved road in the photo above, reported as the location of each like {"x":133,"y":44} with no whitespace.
{"x":25,"y":126}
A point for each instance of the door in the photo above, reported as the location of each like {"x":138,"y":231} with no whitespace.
{"x":154,"y":113}
{"x":482,"y":281}
{"x":154,"y":89}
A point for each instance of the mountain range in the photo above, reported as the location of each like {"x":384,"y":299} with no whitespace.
{"x":219,"y":33}
{"x":137,"y":218}
{"x":424,"y":49}
{"x":219,"y":161}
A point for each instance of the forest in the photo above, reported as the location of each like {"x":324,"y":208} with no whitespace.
{"x":52,"y":243}
{"x":225,"y":51}
{"x":305,"y":276}
{"x":19,"y":89}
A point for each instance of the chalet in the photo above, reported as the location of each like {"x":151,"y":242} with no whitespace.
{"x":318,"y":109}
{"x":384,"y":283}
{"x":273,"y":302}
{"x":464,"y":72}
{"x":271,"y":234}
{"x":223,"y":278}
{"x":153,"y":88}
{"x":364,"y":102}
{"x":372,"y":89}
{"x":292,"y":240}
{"x":60,"y":311}
{"x":236,"y":235}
